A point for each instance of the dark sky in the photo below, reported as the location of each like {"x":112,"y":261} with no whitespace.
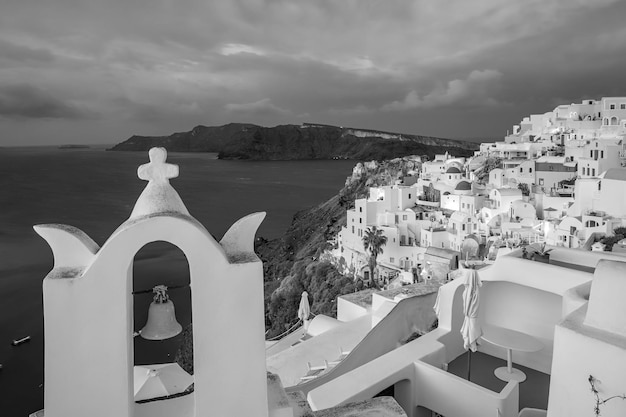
{"x":93,"y":71}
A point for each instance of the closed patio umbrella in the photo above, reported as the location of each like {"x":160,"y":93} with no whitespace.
{"x":471,"y":330}
{"x":304,"y":310}
{"x":162,"y":380}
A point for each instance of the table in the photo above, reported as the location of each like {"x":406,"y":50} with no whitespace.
{"x":510,"y":340}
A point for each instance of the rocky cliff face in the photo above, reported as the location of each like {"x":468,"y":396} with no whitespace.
{"x":289,"y":142}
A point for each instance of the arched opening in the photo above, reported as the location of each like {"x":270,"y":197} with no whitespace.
{"x":161,"y":263}
{"x":614,"y":121}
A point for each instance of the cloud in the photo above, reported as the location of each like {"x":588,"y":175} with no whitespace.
{"x":262,"y":106}
{"x":27,"y":101}
{"x":238,"y":48}
{"x":476,"y":89}
{"x":360,"y":109}
{"x":338,"y":62}
{"x":15,"y":53}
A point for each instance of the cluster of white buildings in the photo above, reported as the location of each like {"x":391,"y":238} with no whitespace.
{"x":571,"y":161}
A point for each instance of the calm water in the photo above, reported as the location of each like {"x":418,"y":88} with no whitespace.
{"x":95,"y":191}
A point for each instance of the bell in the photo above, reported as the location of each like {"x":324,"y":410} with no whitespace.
{"x":161,"y":322}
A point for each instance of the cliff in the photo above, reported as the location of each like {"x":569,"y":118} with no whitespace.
{"x":307,"y":141}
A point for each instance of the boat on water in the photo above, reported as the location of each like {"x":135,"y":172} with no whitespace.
{"x":17,"y":342}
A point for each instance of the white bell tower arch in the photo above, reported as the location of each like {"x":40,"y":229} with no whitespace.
{"x":88,"y":317}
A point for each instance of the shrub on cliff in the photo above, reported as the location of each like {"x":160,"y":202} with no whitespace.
{"x":323,"y":283}
{"x":482,"y":173}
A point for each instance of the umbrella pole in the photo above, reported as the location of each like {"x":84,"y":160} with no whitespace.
{"x":469,"y":364}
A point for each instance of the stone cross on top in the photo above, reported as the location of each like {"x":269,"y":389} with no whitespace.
{"x":157,"y":170}
{"x":158,"y":196}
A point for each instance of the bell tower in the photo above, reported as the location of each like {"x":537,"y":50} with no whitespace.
{"x":88,"y":310}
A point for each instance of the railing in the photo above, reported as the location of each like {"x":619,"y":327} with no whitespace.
{"x":451,"y":396}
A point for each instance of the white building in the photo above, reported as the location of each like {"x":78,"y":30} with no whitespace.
{"x":606,"y":194}
{"x":390,"y":209}
{"x":551,"y":170}
{"x":598,"y":156}
{"x":460,"y":226}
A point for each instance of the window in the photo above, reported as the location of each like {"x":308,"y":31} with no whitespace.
{"x":593,"y":172}
{"x":360,"y":209}
{"x":622,"y":106}
{"x":540,"y":181}
{"x":352,"y":229}
{"x":392,"y":260}
{"x":463,"y":205}
{"x":601,"y":154}
{"x":463,"y":228}
{"x":612,"y":107}
{"x":409,"y":195}
{"x":530,"y":170}
{"x":572,"y":230}
{"x":360,"y":220}
{"x":521,"y":170}
{"x":599,"y":185}
{"x":404,"y":217}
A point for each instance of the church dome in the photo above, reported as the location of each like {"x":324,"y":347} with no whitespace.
{"x":453,"y":170}
{"x":463,"y":186}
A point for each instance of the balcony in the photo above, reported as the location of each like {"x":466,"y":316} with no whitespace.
{"x":533,"y":393}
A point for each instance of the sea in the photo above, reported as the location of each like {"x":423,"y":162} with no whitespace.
{"x":95,"y":191}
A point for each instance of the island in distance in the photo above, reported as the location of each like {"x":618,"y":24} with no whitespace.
{"x":291,"y":142}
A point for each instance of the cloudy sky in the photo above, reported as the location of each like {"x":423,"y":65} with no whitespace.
{"x":95,"y":71}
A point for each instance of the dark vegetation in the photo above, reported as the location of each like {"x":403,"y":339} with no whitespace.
{"x":619,"y":233}
{"x":287,"y":142}
{"x":491,"y":163}
{"x":373,"y":242}
{"x":524,"y":188}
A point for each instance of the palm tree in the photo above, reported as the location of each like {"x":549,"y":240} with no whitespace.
{"x":373,"y":241}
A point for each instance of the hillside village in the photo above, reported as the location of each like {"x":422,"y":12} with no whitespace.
{"x":558,"y":179}
{"x":538,"y":220}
